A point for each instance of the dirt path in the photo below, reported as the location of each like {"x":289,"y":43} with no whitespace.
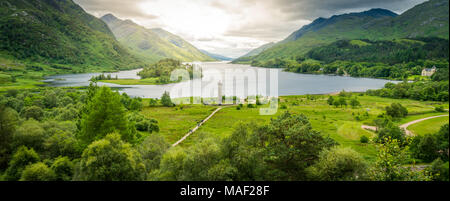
{"x":197,"y":127}
{"x":405,"y":126}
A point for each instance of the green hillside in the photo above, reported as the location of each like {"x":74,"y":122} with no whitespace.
{"x":389,"y":52}
{"x":429,"y":19}
{"x":59,"y":35}
{"x":254,"y":52}
{"x":152,"y":44}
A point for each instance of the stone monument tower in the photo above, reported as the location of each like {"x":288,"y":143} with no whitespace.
{"x":219,"y":93}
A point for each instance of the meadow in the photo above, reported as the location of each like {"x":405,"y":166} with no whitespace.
{"x":343,"y":124}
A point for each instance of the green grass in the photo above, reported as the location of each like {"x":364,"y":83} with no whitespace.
{"x":338,"y":123}
{"x":359,"y":43}
{"x":174,"y":122}
{"x":429,"y":126}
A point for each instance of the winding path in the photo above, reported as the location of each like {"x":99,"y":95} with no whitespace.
{"x":405,"y":126}
{"x":197,"y":127}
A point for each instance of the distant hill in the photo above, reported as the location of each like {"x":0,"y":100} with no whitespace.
{"x":59,"y":32}
{"x":216,"y":56}
{"x":152,"y":44}
{"x":254,"y":52}
{"x":429,"y":19}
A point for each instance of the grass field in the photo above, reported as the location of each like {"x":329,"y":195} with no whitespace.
{"x":175,"y":122}
{"x":340,"y":124}
{"x":429,"y":126}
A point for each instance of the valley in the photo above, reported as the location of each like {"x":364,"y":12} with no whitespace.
{"x":86,"y":95}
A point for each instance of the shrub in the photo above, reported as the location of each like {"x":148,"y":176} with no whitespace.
{"x":396,"y":110}
{"x":364,"y":139}
{"x":338,"y":164}
{"x":439,"y":109}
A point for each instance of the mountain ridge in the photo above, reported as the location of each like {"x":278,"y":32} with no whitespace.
{"x":60,"y":32}
{"x":152,"y":44}
{"x":428,"y":19}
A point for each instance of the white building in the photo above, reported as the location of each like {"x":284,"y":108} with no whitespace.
{"x":429,"y":71}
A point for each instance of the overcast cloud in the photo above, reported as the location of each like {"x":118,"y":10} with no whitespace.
{"x":233,"y":27}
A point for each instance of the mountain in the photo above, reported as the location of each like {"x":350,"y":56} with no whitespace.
{"x":61,"y":34}
{"x":254,"y":52}
{"x":216,"y":56}
{"x":152,"y":44}
{"x":429,"y":19}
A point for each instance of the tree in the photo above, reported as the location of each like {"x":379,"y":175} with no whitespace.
{"x":38,"y":172}
{"x":63,"y":168}
{"x":391,"y":132}
{"x":50,"y":99}
{"x":30,"y":134}
{"x":34,"y":112}
{"x":21,"y":158}
{"x":152,"y":150}
{"x":439,"y":170}
{"x":330,"y":100}
{"x":62,"y":144}
{"x":425,"y":148}
{"x":105,"y":114}
{"x":291,"y":146}
{"x":165,"y":100}
{"x":153,"y":102}
{"x":342,"y":101}
{"x":355,"y":103}
{"x":389,"y":165}
{"x":136,"y":104}
{"x":442,"y":142}
{"x":8,"y":124}
{"x":338,"y":164}
{"x":396,"y":110}
{"x":111,"y":159}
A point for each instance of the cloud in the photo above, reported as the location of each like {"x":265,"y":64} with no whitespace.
{"x":233,"y":27}
{"x":126,"y":9}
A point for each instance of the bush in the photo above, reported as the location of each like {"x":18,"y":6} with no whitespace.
{"x":338,"y":164}
{"x":396,"y":110}
{"x":364,"y":139}
{"x":439,"y":109}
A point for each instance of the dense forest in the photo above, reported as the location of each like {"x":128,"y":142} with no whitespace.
{"x":398,"y":59}
{"x":59,"y":32}
{"x":97,"y":134}
{"x":387,"y":52}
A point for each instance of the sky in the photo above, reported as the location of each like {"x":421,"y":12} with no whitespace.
{"x":233,"y":27}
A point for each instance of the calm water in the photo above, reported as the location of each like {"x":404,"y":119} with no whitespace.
{"x":213,"y":72}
